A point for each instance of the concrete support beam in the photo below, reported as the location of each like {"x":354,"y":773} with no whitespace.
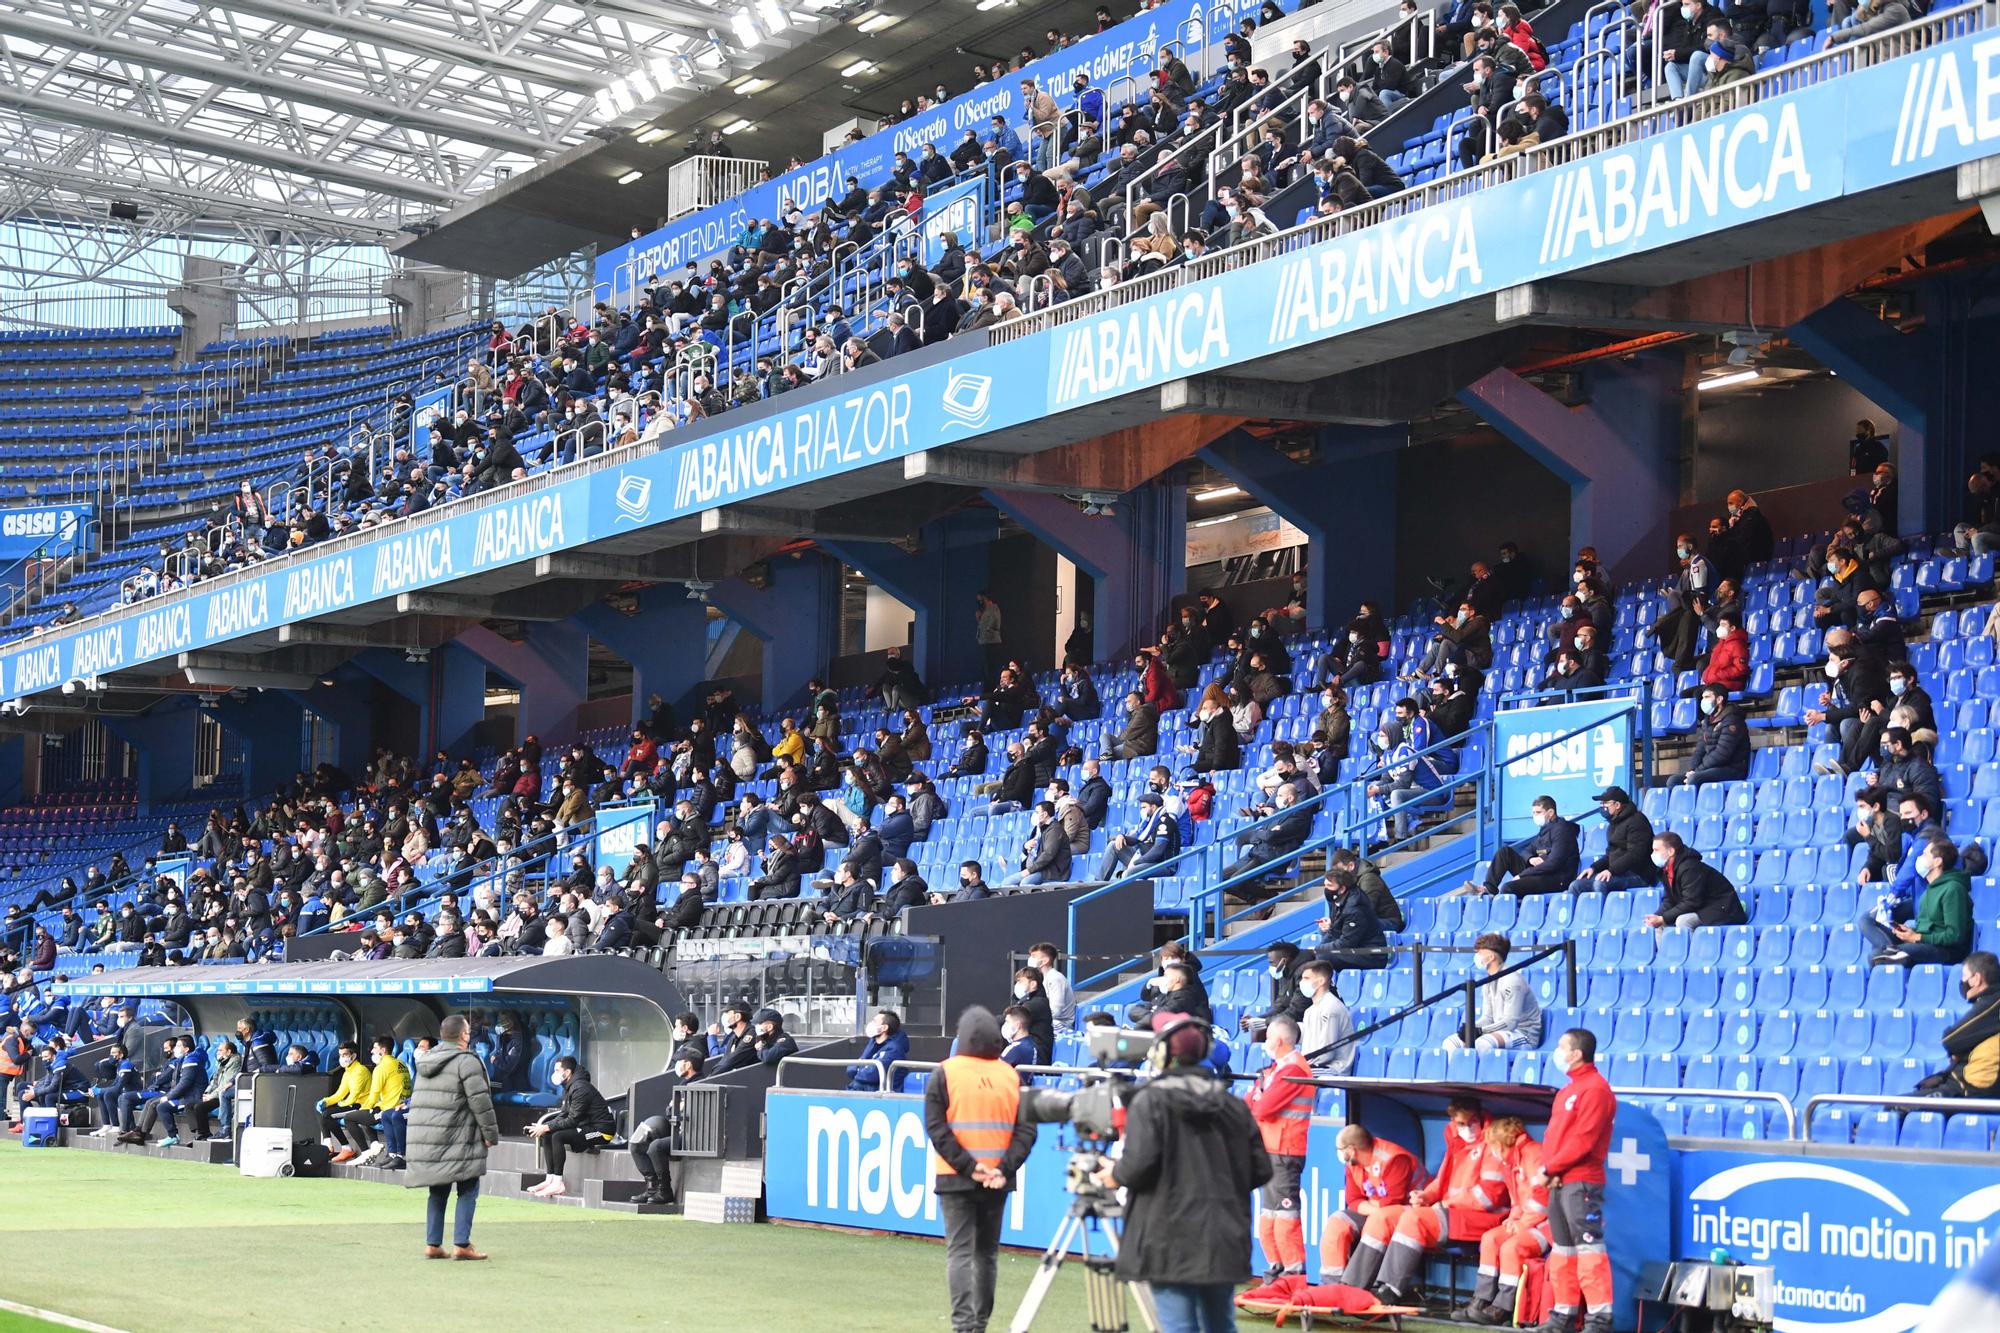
{"x":666,"y":641}
{"x":550,"y":667}
{"x":1979,"y":183}
{"x":1587,"y":305}
{"x":976,"y":468}
{"x":1136,"y":556}
{"x":765,"y":521}
{"x":1276,"y":400}
{"x":389,"y":634}
{"x":287,"y":669}
{"x":1343,"y":498}
{"x":1619,"y":454}
{"x":538,"y":604}
{"x":797,"y":618}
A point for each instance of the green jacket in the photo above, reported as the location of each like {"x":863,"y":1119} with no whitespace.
{"x":1944,"y":913}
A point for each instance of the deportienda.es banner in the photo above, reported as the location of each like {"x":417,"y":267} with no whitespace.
{"x":1810,"y":146}
{"x":1107,"y":58}
{"x":1856,"y":1246}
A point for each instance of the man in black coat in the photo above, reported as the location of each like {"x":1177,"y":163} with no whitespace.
{"x":1285,"y":961}
{"x":1546,"y":863}
{"x":781,"y":872}
{"x":1016,"y":787}
{"x":1285,"y":832}
{"x":1721,"y":741}
{"x":1029,"y":997}
{"x":1353,"y":936}
{"x":1697,"y":894}
{"x":685,"y":914}
{"x":1192,"y":1155}
{"x":1492,"y":88}
{"x":1627,"y":862}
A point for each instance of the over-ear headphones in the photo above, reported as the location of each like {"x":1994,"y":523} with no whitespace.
{"x":1159,"y":1056}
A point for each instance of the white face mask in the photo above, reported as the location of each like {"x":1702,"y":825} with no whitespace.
{"x":1833,"y":669}
{"x":1541,"y":819}
{"x":1468,"y":1132}
{"x":1021,"y":990}
{"x":1565,"y":1060}
{"x":1660,"y":859}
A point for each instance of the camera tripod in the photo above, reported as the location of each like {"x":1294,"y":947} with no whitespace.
{"x":1103,"y":1290}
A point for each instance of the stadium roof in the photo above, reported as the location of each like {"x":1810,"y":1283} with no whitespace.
{"x":341,"y":119}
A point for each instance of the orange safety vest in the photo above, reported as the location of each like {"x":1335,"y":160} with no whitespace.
{"x":983,"y":1098}
{"x":10,"y":1063}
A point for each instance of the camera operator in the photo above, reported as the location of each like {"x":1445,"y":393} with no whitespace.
{"x":972,"y":1115}
{"x":1192,"y":1156}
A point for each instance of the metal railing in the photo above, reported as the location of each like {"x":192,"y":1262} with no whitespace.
{"x":1891,"y":1101}
{"x":1641,"y":125}
{"x":1467,"y":989}
{"x":1352,"y":825}
{"x":699,"y":182}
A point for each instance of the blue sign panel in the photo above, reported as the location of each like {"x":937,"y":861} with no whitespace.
{"x":50,"y":530}
{"x":1568,"y":752}
{"x":957,"y":209}
{"x":435,"y":406}
{"x":619,"y":829}
{"x":1783,"y":154}
{"x":1857,"y":1246}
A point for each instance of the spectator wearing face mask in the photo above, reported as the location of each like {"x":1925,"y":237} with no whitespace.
{"x":1721,"y":741}
{"x":1545,"y":864}
{"x":1039,"y":1018}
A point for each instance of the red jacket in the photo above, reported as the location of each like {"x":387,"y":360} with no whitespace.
{"x":1728,"y":662}
{"x":1385,"y":1177}
{"x":1579,"y":1132}
{"x":1283,"y":1108}
{"x":1157,"y":689}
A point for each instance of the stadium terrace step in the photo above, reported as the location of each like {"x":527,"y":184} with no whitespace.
{"x":213,"y":1152}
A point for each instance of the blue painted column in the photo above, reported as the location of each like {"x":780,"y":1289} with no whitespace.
{"x":449,"y":691}
{"x":1619,"y":453}
{"x":666,"y":643}
{"x":1343,"y":499}
{"x":937,"y":583}
{"x":550,"y":666}
{"x":266,"y":725}
{"x":345,"y":708}
{"x":1935,"y":379}
{"x":797,"y":618}
{"x":1136,"y":556}
{"x":162,"y":741}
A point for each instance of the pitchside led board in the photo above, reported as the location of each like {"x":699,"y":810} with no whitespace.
{"x":861,"y":1160}
{"x":1856,"y":1245}
{"x":1591,"y":750}
{"x":619,"y":831}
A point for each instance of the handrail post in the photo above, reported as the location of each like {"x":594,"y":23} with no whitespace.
{"x":1569,"y":970}
{"x":1417,"y":972}
{"x":1470,"y":1032}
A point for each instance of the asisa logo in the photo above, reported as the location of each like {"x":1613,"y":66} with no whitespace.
{"x":1849,"y":1253}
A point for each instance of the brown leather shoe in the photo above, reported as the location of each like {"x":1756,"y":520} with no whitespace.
{"x":465,"y":1252}
{"x":434,"y":1252}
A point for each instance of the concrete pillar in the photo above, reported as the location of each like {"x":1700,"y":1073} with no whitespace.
{"x":1343,"y":499}
{"x":1136,"y":556}
{"x":266,"y":726}
{"x":1934,"y":378}
{"x":425,"y":297}
{"x":666,"y":643}
{"x":1619,"y":453}
{"x":797,"y":618}
{"x":206,"y":307}
{"x":551,"y":668}
{"x":14,"y":767}
{"x":937,"y":583}
{"x":162,"y":741}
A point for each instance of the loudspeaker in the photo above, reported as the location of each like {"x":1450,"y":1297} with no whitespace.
{"x":124,"y":211}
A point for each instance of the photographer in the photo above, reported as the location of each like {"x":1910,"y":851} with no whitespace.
{"x":972,"y":1115}
{"x":1192,"y":1156}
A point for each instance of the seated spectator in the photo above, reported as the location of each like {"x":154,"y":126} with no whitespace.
{"x":1509,"y":1016}
{"x":1019,"y":1049}
{"x":218,"y":1095}
{"x":1154,"y":841}
{"x":1937,"y":926}
{"x":1326,"y":1026}
{"x":1140,"y":737}
{"x":1972,"y":1045}
{"x":581,"y":1122}
{"x":1039,"y":1018}
{"x":1471,"y":1186}
{"x":1880,"y":829}
{"x":1904,"y":771}
{"x":1627,"y":862}
{"x":1721,"y":741}
{"x":1546,"y":863}
{"x":1729,"y":656}
{"x":1015,"y":787}
{"x":1352,"y":936}
{"x":887,"y":1044}
{"x":1045,"y":855}
{"x":1284,"y":830}
{"x":1696,"y":892}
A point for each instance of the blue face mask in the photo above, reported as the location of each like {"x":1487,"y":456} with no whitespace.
{"x":1897,"y":685}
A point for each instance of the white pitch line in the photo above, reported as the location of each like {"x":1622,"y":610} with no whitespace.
{"x":50,"y":1316}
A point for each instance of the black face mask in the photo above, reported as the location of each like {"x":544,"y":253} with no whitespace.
{"x":1964,"y":991}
